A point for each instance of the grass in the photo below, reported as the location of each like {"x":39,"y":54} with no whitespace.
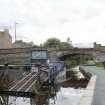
{"x":100,"y":65}
{"x":11,"y":67}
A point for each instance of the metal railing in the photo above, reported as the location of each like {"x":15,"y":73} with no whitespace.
{"x":55,"y":69}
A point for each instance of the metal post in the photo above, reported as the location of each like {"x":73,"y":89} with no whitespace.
{"x":38,"y":66}
{"x":15,"y":31}
{"x":39,"y":74}
{"x":6,"y":69}
{"x":81,"y":59}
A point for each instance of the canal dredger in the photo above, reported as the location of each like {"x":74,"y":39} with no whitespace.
{"x":40,"y":72}
{"x":56,"y":70}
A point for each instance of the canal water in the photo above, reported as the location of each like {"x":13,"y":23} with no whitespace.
{"x":65,"y":96}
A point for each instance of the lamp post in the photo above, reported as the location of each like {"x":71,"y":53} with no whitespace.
{"x":15,"y":31}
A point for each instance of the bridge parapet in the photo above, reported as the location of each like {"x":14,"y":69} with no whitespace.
{"x":23,"y":55}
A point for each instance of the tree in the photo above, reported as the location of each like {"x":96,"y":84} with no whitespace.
{"x":56,"y":43}
{"x":52,"y":43}
{"x":64,"y":45}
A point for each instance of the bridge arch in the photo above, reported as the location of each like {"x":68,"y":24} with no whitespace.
{"x":75,"y":58}
{"x":64,"y":56}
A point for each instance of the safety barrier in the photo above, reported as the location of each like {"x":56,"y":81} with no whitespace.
{"x":55,"y":69}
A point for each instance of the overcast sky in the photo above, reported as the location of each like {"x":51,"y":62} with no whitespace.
{"x":81,"y":20}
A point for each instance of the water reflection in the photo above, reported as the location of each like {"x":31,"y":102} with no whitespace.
{"x":44,"y":95}
{"x":52,"y":96}
{"x":68,"y":96}
{"x":19,"y":101}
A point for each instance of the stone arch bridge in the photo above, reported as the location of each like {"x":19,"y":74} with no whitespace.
{"x":23,"y":55}
{"x":97,"y":54}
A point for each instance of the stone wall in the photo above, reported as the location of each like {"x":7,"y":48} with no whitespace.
{"x":16,"y":55}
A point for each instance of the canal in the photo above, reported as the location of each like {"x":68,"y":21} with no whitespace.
{"x":65,"y":96}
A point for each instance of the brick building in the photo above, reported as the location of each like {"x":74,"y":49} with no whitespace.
{"x":5,"y":39}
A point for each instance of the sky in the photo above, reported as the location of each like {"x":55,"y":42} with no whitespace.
{"x":81,"y":20}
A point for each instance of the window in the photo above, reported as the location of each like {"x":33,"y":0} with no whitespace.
{"x":39,"y":55}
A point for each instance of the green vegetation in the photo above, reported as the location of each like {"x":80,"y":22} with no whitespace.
{"x":65,"y":45}
{"x":14,"y":66}
{"x":56,"y":43}
{"x":5,"y":82}
{"x":71,"y":63}
{"x":100,"y":65}
{"x":11,"y":67}
{"x":77,"y":60}
{"x":52,"y":43}
{"x":71,"y":74}
{"x":1,"y":67}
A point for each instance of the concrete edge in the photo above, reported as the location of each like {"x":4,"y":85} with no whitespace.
{"x":87,"y":96}
{"x":87,"y":74}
